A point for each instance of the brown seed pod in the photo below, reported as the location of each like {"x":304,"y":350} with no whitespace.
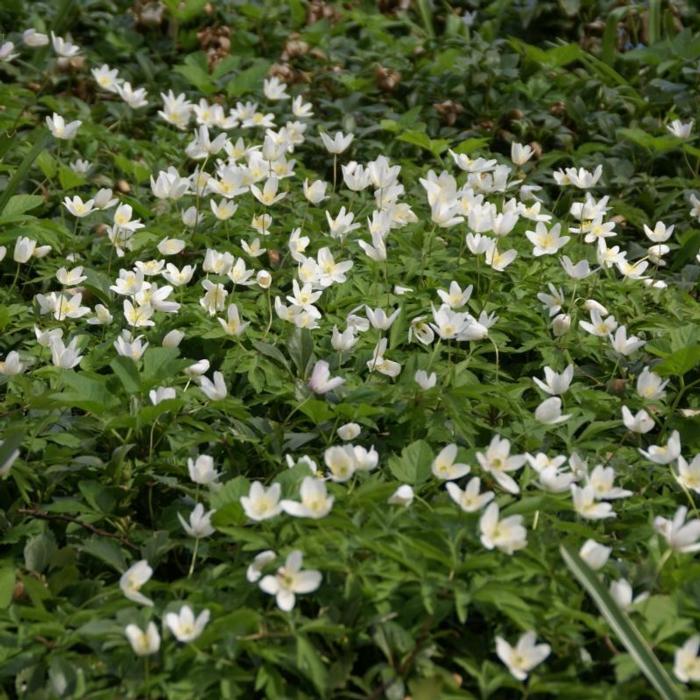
{"x":448,"y":110}
{"x":123,"y":186}
{"x":387,"y":79}
{"x":274,"y":257}
{"x":617,"y":386}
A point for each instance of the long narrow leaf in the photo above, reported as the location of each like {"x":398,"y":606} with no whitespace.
{"x":622,"y":626}
{"x":21,"y":172}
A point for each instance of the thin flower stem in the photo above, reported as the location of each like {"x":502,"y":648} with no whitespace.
{"x":194,"y":557}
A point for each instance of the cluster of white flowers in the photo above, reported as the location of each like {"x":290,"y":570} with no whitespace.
{"x":260,"y":168}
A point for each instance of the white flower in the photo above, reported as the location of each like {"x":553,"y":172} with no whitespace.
{"x":520,"y":154}
{"x":444,"y":467}
{"x":549,"y":412}
{"x":380,"y":364}
{"x":680,"y":129}
{"x":233,"y":325}
{"x":126,"y":346}
{"x":686,"y":661}
{"x":216,"y":390}
{"x":624,"y":345}
{"x":497,"y":461}
{"x":171,"y":246}
{"x":65,"y":356}
{"x":403,"y":496}
{"x":202,"y":470}
{"x":555,"y":384}
{"x":680,"y":535}
{"x":261,"y":560}
{"x":469,"y":499}
{"x":77,"y":207}
{"x":622,"y":594}
{"x":599,"y":326}
{"x":594,"y":554}
{"x":59,"y":129}
{"x":24,"y":249}
{"x":665,"y":454}
{"x":577,"y":271}
{"x":161,"y":393}
{"x":507,"y":534}
{"x":524,"y":656}
{"x":561,"y":325}
{"x":379,"y":320}
{"x":11,"y":365}
{"x":261,"y":503}
{"x":315,"y":501}
{"x":660,"y":233}
{"x":34,"y":39}
{"x":456,"y":297}
{"x":275,"y":89}
{"x":173,"y":338}
{"x":108,"y":79}
{"x":499,"y":261}
{"x":197,"y":369}
{"x":650,"y":386}
{"x":301,"y":109}
{"x":689,"y":474}
{"x":349,"y":431}
{"x":640,"y":422}
{"x":601,"y":480}
{"x":133,"y":579}
{"x":586,"y":505}
{"x":290,"y":581}
{"x":365,"y":460}
{"x":315,"y":192}
{"x":341,"y":462}
{"x":183,"y":624}
{"x":64,"y":48}
{"x":546,"y":242}
{"x":338,"y":143}
{"x":143,"y":642}
{"x":264,"y":279}
{"x":199,"y":524}
{"x":424,"y":380}
{"x":321,"y":381}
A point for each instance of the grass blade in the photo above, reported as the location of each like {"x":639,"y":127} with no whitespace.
{"x":19,"y":174}
{"x":622,"y":626}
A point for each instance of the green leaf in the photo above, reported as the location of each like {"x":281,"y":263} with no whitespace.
{"x":21,"y":203}
{"x":21,"y":172}
{"x":7,"y":585}
{"x":422,"y":140}
{"x":301,"y":347}
{"x":69,"y":179}
{"x":310,"y":664}
{"x":86,"y":392}
{"x":413,"y":467}
{"x":9,"y":445}
{"x":679,"y":362}
{"x":194,"y":70}
{"x":248,"y":80}
{"x":125,"y":369}
{"x":107,"y":551}
{"x":623,"y":627}
{"x":39,"y":551}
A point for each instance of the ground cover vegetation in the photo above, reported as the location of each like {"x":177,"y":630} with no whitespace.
{"x":349,"y":350}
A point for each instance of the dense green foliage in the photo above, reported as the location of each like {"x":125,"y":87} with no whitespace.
{"x":413,"y":597}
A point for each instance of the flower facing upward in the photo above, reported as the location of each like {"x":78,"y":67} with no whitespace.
{"x":524,"y":656}
{"x":183,"y":624}
{"x":290,"y":580}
